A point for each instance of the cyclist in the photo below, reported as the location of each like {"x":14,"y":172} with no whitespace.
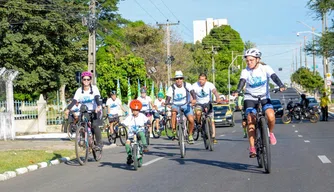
{"x":204,"y":90}
{"x":242,"y":111}
{"x":135,"y":122}
{"x":89,"y":95}
{"x":180,"y":91}
{"x":159,"y":104}
{"x":147,"y":104}
{"x":114,"y":104}
{"x":256,"y":77}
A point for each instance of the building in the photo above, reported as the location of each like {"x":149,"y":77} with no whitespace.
{"x":203,"y":27}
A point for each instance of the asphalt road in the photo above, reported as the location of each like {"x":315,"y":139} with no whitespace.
{"x":286,"y":96}
{"x":300,"y":162}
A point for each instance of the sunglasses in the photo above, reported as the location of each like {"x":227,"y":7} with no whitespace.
{"x":85,"y":79}
{"x":178,"y":78}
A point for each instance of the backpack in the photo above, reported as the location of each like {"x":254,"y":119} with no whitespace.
{"x":187,"y":91}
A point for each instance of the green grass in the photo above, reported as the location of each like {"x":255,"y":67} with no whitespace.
{"x":11,"y":160}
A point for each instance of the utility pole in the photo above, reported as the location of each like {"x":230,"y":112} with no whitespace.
{"x":324,"y":53}
{"x":296,"y":54}
{"x":92,"y":23}
{"x":301,"y":57}
{"x":305,"y":52}
{"x":313,"y":50}
{"x":169,"y":56}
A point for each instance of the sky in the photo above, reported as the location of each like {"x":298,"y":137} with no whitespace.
{"x":271,"y":25}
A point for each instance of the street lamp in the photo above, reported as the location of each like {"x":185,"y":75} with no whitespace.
{"x":314,"y":33}
{"x":229,"y":78}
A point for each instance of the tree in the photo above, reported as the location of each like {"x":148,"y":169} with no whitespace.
{"x":304,"y":77}
{"x":249,"y":44}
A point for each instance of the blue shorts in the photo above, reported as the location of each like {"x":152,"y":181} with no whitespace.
{"x":250,"y":106}
{"x":188,"y":110}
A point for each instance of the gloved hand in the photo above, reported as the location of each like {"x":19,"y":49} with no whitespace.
{"x":126,"y":113}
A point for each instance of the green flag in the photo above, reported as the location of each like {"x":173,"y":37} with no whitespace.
{"x":119,"y":95}
{"x":138,"y":88}
{"x":152,"y":92}
{"x":129,"y":90}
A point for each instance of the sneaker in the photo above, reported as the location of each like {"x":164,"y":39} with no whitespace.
{"x":174,"y":135}
{"x":214,"y":140}
{"x":99,"y":147}
{"x":113,"y":136}
{"x":129,"y":160}
{"x":252,"y":152}
{"x":190,"y":139}
{"x":145,"y":150}
{"x":273,"y":140}
{"x":245,"y":135}
{"x":151,"y":135}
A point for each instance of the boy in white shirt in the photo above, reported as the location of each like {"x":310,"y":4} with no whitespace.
{"x":159,"y":105}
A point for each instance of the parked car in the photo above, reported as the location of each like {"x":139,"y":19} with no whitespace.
{"x":278,"y":108}
{"x":313,"y":103}
{"x":223,"y":115}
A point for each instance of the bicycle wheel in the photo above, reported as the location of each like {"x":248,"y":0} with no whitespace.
{"x":208,"y":131}
{"x":147,"y":135}
{"x":181,"y":141}
{"x":81,"y":146}
{"x":68,"y":127}
{"x":156,"y":133}
{"x":123,"y":134}
{"x":108,"y":135}
{"x":259,"y":155}
{"x":140,"y":159}
{"x":96,"y":154}
{"x":286,"y":119}
{"x":195,"y":132}
{"x":168,"y":129}
{"x":266,"y":145}
{"x":134,"y":156}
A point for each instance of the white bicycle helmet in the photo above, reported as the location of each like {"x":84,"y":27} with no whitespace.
{"x":253,"y":52}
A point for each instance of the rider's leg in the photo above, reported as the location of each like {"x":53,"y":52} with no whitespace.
{"x":251,"y":120}
{"x":157,"y":125}
{"x":128,"y":152}
{"x":150,"y":127}
{"x":271,"y":124}
{"x":198,"y":115}
{"x":244,"y":126}
{"x":96,"y":123}
{"x":143,"y":140}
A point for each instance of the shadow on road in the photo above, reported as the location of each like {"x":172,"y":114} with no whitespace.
{"x":75,"y":162}
{"x":117,"y":165}
{"x":225,"y":165}
{"x":242,"y":140}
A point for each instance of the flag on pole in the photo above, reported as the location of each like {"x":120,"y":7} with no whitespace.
{"x":119,"y":95}
{"x":129,"y":91}
{"x":138,"y":87}
{"x":166,"y":88}
{"x":152,"y":92}
{"x":145,"y":83}
{"x":161,"y":89}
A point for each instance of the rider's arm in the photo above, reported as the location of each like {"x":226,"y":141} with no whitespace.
{"x":193,"y":94}
{"x":215,"y":92}
{"x":241,"y":84}
{"x":278,"y":82}
{"x":168,"y":99}
{"x":69,"y":107}
{"x":97,"y":100}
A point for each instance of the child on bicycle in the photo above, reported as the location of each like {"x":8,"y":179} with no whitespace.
{"x":135,"y":123}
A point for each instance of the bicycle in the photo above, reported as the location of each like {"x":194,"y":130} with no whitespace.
{"x":181,"y":126}
{"x":205,"y":130}
{"x":262,"y":142}
{"x":165,"y":125}
{"x":119,"y":130}
{"x":84,"y":139}
{"x":136,"y":150}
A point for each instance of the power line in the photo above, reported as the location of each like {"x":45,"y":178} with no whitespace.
{"x":288,"y":51}
{"x":145,"y":10}
{"x":158,"y":9}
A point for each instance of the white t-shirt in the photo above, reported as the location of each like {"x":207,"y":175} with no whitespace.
{"x":257,"y":81}
{"x":86,"y":98}
{"x":159,"y":104}
{"x":146,"y":102}
{"x":203,"y":94}
{"x":114,"y":106}
{"x":180,"y":94}
{"x":133,"y":123}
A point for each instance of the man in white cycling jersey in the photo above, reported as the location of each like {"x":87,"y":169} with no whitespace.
{"x":256,"y":77}
{"x":204,"y":91}
{"x":147,"y":104}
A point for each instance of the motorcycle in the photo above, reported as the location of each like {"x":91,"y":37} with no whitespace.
{"x":297,"y":112}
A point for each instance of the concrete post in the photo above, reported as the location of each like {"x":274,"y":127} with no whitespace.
{"x":41,"y":106}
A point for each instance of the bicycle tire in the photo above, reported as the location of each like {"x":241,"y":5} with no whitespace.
{"x":181,"y":141}
{"x":259,"y":155}
{"x":69,"y":130}
{"x":208,"y":131}
{"x":147,"y":135}
{"x":108,"y":134}
{"x":81,"y":143}
{"x":286,"y":119}
{"x":168,"y":129}
{"x":195,"y":132}
{"x":155,"y":133}
{"x":134,"y":156}
{"x":96,"y":154}
{"x":266,"y":145}
{"x":123,"y":134}
{"x":140,"y":159}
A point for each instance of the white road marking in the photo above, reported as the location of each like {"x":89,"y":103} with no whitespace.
{"x":221,"y":135}
{"x":293,"y":126}
{"x":152,"y":161}
{"x":300,"y":136}
{"x":233,"y":131}
{"x":296,"y":131}
{"x":306,"y":141}
{"x":324,"y":159}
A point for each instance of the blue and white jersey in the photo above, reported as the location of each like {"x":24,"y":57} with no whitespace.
{"x":86,"y":98}
{"x":135,"y":124}
{"x":146,"y":102}
{"x":159,"y":104}
{"x":114,"y":106}
{"x":203,"y":94}
{"x":257,"y":81}
{"x":180,"y":94}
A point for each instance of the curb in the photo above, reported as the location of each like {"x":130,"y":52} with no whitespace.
{"x":19,"y":171}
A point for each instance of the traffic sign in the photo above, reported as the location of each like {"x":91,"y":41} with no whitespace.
{"x":328,"y":76}
{"x":328,"y":82}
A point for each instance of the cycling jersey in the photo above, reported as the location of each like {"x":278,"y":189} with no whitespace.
{"x":159,"y":104}
{"x":146,"y":102}
{"x":179,"y":95}
{"x":86,"y":98}
{"x":204,"y":94}
{"x":257,"y":81}
{"x":133,"y":123}
{"x":114,"y":106}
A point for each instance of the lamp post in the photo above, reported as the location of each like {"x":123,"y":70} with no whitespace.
{"x":229,"y":77}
